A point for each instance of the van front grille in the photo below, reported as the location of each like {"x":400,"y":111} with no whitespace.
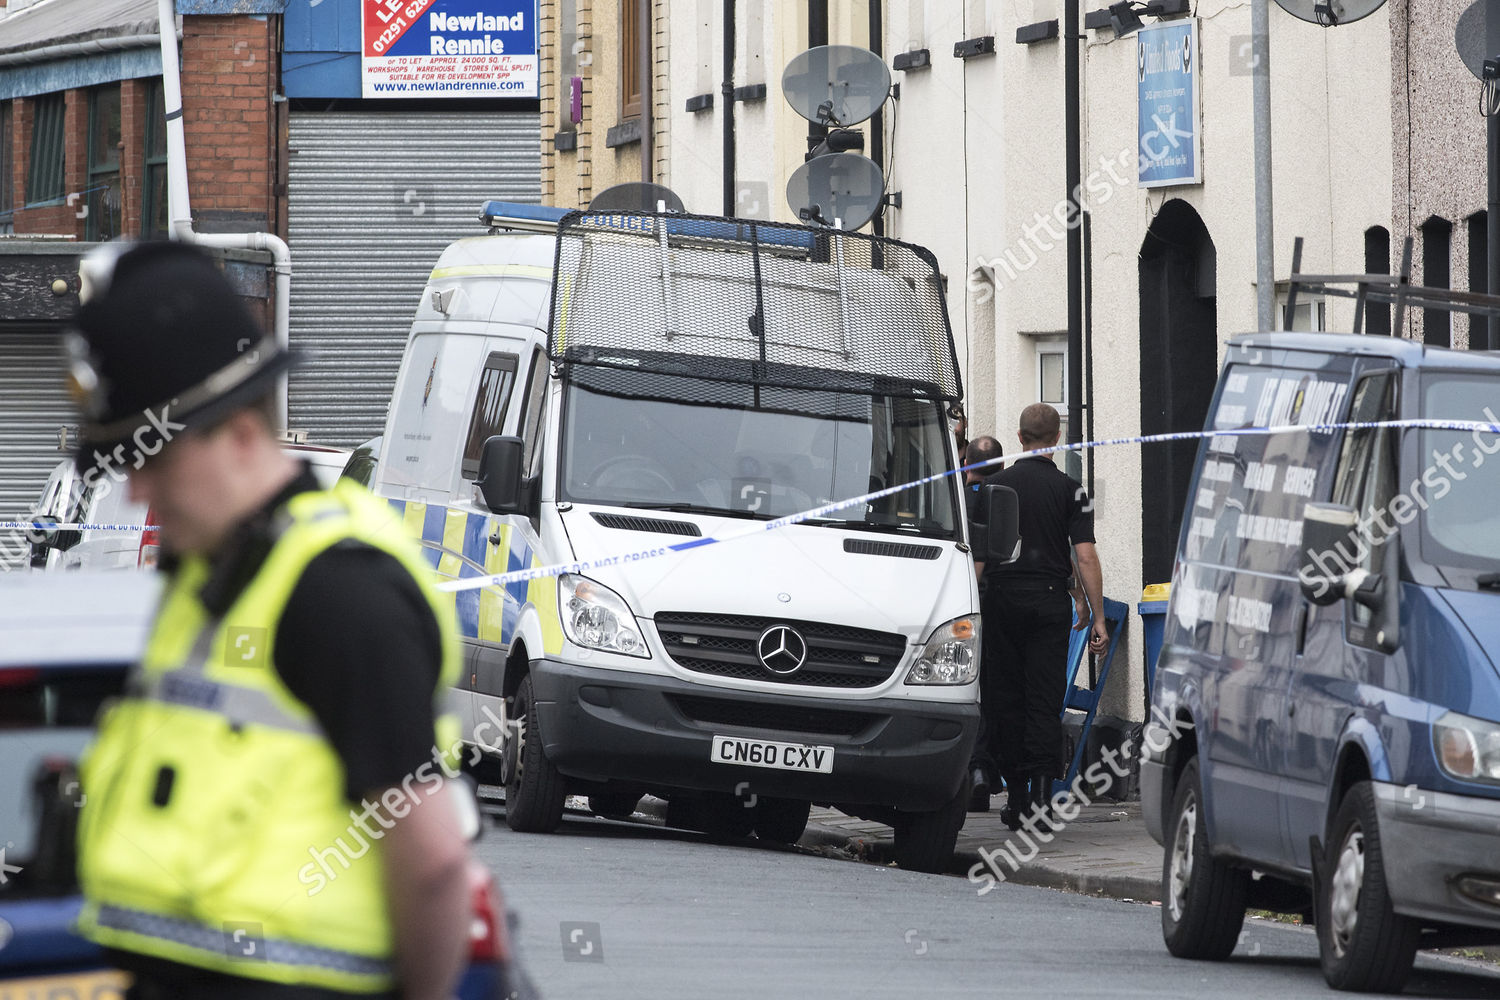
{"x":725,"y":646}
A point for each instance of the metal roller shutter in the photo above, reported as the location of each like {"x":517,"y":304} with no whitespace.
{"x":34,"y":403}
{"x":373,"y":199}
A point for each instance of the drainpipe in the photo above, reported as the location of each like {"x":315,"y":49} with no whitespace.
{"x":726,"y":91}
{"x":179,"y":208}
{"x":646,"y":55}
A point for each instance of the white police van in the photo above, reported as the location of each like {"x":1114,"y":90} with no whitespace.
{"x":618,"y":392}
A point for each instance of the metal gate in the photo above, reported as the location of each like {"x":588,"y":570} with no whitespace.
{"x":34,"y":405}
{"x":373,"y":199}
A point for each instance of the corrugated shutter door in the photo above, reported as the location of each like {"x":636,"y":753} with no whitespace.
{"x":34,"y":403}
{"x":373,"y":199}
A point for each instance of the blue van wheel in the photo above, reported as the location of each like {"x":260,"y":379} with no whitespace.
{"x":1202,"y":898}
{"x":1363,"y":943}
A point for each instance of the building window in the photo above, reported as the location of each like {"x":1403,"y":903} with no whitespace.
{"x":46,"y":179}
{"x":7,"y":169}
{"x":102,"y":191}
{"x":1437,"y":240}
{"x":154,"y":220}
{"x":1378,"y":261}
{"x":632,"y":73}
{"x":1310,"y":315}
{"x":1052,"y":376}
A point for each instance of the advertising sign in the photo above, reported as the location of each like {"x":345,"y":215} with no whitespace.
{"x":1167,"y":100}
{"x":448,"y":48}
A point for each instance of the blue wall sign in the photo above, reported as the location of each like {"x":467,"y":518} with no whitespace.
{"x":1167,"y":91}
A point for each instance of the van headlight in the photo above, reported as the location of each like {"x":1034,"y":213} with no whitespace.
{"x":595,"y":617}
{"x":1467,"y":748}
{"x":951,"y":656}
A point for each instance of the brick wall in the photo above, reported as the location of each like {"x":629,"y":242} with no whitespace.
{"x":228,"y":82}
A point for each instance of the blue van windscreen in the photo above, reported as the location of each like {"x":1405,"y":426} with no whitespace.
{"x":1460,"y":471}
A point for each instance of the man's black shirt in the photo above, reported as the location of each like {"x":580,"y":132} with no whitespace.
{"x":357,"y":642}
{"x":1054,"y":512}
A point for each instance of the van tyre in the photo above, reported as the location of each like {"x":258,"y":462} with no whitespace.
{"x":1203,"y":898}
{"x":1364,"y":945}
{"x":534,"y":789}
{"x":925,"y":840}
{"x":781,"y":820}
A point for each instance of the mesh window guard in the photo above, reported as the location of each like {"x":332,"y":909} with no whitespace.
{"x":770,"y":305}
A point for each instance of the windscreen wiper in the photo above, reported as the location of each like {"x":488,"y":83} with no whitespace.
{"x":694,"y":508}
{"x":1488,"y":581}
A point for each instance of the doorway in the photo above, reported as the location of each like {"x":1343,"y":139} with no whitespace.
{"x":1179,"y":368}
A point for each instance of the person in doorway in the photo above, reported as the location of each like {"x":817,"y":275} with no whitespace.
{"x":1027,"y":612}
{"x":286,"y":704}
{"x":982,"y":765}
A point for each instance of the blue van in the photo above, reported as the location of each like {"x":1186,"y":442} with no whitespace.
{"x":1326,"y":711}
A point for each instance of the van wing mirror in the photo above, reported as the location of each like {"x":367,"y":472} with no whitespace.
{"x":1002,"y":510}
{"x":1323,"y":575}
{"x":499,"y":480}
{"x":49,"y":537}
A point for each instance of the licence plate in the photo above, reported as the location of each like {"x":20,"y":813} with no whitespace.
{"x":770,"y":753}
{"x":106,"y":984}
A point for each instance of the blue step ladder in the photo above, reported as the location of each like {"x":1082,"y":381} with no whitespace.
{"x":1085,"y":700}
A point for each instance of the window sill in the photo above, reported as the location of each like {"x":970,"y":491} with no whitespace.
{"x":627,"y":133}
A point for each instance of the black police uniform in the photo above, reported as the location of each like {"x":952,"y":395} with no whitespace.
{"x":1028,"y":615}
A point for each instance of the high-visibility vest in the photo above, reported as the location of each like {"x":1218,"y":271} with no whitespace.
{"x":215,"y":831}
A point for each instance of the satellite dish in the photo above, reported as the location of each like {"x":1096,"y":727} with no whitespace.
{"x":842,"y":188}
{"x":1478,"y":36}
{"x":1329,"y":13}
{"x":636,"y":196}
{"x":836,"y":84}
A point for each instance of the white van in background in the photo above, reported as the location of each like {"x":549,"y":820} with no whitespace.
{"x":702,"y":378}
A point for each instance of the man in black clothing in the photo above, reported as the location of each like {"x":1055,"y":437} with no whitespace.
{"x":982,"y":764}
{"x":1027,"y":612}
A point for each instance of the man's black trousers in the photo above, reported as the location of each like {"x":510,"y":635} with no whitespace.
{"x":1026,"y":634}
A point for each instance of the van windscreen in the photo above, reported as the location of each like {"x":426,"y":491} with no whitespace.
{"x":1459,"y":472}
{"x":649,"y":440}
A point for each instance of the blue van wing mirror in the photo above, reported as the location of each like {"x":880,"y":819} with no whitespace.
{"x":499,"y":480}
{"x":1002,"y":522}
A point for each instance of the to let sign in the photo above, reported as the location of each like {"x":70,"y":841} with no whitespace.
{"x":448,"y":48}
{"x":1167,"y":90}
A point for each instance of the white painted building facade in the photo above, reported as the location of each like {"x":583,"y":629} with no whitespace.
{"x":976,"y":149}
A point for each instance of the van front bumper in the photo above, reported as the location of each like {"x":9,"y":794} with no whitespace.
{"x":1431,"y":841}
{"x":600,"y":725}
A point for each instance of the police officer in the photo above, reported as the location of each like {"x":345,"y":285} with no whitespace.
{"x":982,"y":763}
{"x":264,"y":813}
{"x":1027,"y":611}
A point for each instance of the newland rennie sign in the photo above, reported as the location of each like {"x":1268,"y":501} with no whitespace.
{"x":448,"y":48}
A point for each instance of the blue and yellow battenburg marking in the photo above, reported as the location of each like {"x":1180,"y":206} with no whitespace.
{"x":456,"y":544}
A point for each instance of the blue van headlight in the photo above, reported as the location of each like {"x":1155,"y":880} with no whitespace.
{"x":595,"y":617}
{"x":951,"y":656}
{"x":1467,"y":748}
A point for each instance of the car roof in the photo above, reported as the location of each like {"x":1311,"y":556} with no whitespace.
{"x":75,"y":619}
{"x":1405,"y":352}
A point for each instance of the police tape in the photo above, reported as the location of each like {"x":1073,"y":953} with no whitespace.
{"x":815,"y":513}
{"x":81,"y":526}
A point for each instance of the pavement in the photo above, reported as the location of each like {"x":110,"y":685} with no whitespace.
{"x":1104,"y":851}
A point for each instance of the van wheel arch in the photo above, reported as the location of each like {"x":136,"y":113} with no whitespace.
{"x":517,"y":666}
{"x":1182,"y":750}
{"x":1352,"y":768}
